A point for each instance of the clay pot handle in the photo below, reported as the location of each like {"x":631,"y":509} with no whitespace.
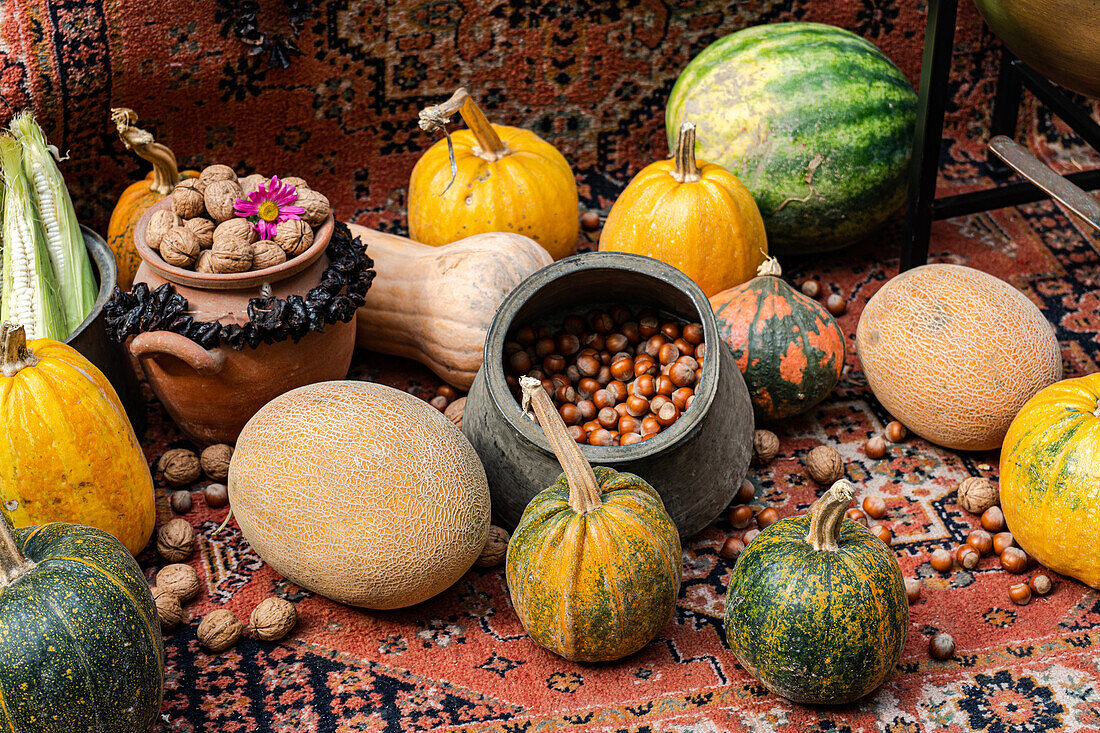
{"x":153,"y":343}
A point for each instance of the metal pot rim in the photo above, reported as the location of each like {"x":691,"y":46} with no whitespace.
{"x":107,"y":274}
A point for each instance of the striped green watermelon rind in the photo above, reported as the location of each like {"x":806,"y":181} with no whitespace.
{"x":814,"y":120}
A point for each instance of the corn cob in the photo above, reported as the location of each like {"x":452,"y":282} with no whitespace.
{"x":28,"y":295}
{"x":73,"y":269}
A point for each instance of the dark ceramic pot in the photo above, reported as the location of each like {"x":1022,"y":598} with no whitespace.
{"x":90,"y":337}
{"x":697,"y":465}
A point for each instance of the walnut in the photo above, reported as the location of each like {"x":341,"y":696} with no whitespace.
{"x":159,"y":224}
{"x":187,"y":199}
{"x":295,"y":181}
{"x":273,"y":619}
{"x":203,"y":230}
{"x":180,"y":466}
{"x":252,"y":183}
{"x":765,"y":446}
{"x":454,"y":411}
{"x":231,"y":256}
{"x":179,"y":247}
{"x":316,"y":205}
{"x":294,"y":236}
{"x":215,"y":461}
{"x":825,"y":465}
{"x":265,"y":254}
{"x":221,"y":199}
{"x":216,"y":172}
{"x":496,"y":548}
{"x":235,"y":230}
{"x":180,"y":579}
{"x":976,"y":494}
{"x":204,"y":262}
{"x":219,"y":630}
{"x":169,"y":610}
{"x":176,"y":540}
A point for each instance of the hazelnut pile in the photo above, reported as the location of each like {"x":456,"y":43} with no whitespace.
{"x":202,"y":232}
{"x":616,"y":377}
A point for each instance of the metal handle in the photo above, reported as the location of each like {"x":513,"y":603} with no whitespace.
{"x":1074,"y":198}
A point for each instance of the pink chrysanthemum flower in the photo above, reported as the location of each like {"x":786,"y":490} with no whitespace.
{"x":268,"y":205}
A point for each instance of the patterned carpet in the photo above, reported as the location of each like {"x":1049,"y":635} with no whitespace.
{"x":339,"y":115}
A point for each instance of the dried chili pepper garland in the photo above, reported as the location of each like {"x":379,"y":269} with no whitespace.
{"x":343,"y":288}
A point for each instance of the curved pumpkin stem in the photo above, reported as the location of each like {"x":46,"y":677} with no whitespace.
{"x":436,"y":117}
{"x":584,"y":492}
{"x":770,"y":266}
{"x":685,"y":169}
{"x":166,"y":172}
{"x":827,"y":514}
{"x":14,"y":354}
{"x":13,"y":563}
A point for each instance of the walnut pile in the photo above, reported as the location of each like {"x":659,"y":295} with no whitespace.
{"x":219,"y":630}
{"x":215,"y":461}
{"x":180,"y":466}
{"x":496,"y":548}
{"x":825,"y":465}
{"x":273,"y":619}
{"x":976,"y":494}
{"x":176,"y":540}
{"x":202,"y":231}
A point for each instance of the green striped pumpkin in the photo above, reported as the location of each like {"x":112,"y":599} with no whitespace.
{"x":816,"y":607}
{"x":813,"y":119}
{"x":80,"y":642}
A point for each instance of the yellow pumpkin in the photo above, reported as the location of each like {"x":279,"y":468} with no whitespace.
{"x":504,"y":180}
{"x":693,"y":215}
{"x":67,"y":450}
{"x":139,"y":195}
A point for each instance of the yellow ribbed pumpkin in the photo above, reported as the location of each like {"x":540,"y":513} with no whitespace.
{"x":139,"y":195}
{"x":67,"y":450}
{"x":506,"y":180}
{"x":693,"y":215}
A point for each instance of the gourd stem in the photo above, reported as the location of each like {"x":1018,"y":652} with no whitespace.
{"x":435,"y":118}
{"x":584,"y":492}
{"x":770,"y":266}
{"x":685,"y":169}
{"x":166,"y":172}
{"x":827,"y":514}
{"x":13,"y":563}
{"x":14,"y":354}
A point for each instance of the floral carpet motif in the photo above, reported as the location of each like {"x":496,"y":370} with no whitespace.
{"x":592,"y":78}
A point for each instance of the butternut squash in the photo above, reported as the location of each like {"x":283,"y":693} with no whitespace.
{"x":434,"y":304}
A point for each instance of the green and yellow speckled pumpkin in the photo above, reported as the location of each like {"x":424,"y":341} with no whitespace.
{"x":80,"y":643}
{"x":790,"y":349}
{"x":594,"y":565}
{"x":816,"y":607}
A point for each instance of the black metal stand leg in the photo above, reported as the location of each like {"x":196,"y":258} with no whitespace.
{"x":939,"y":42}
{"x":1006,"y":110}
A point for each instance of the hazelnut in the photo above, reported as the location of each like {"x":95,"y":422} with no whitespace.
{"x":745,"y":493}
{"x":857,"y":516}
{"x":221,"y":199}
{"x":293,"y":236}
{"x":767,"y":518}
{"x":187,"y":199}
{"x":159,"y":223}
{"x":176,"y":540}
{"x":825,"y":465}
{"x":1020,"y":593}
{"x":875,"y":447}
{"x":204,"y":262}
{"x":883,"y":533}
{"x":219,"y":630}
{"x":749,"y":536}
{"x":941,"y":646}
{"x":251,"y":183}
{"x":180,"y":501}
{"x":273,"y":619}
{"x":266,"y":253}
{"x":732,"y":548}
{"x":439,"y":402}
{"x":179,"y":247}
{"x":216,"y":495}
{"x":180,"y":466}
{"x":1002,"y":541}
{"x":967,"y":557}
{"x":179,"y":579}
{"x":912,"y":589}
{"x":895,"y":432}
{"x":977,"y":494}
{"x":316,"y":205}
{"x":590,"y":221}
{"x":740,"y":516}
{"x":454,"y":411}
{"x":216,"y":172}
{"x":811,"y":288}
{"x":496,"y":548}
{"x":169,"y":610}
{"x":874,"y":507}
{"x":1040,"y":584}
{"x":981,"y":541}
{"x":228,"y":257}
{"x":215,"y":461}
{"x":203,"y":229}
{"x":765,"y":447}
{"x":1014,"y":560}
{"x":836,"y":304}
{"x":993,"y":519}
{"x":942,"y":561}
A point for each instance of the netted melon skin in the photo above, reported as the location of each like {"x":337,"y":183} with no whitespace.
{"x":361,"y":493}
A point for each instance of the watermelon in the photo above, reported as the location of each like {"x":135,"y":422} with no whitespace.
{"x":813,"y":119}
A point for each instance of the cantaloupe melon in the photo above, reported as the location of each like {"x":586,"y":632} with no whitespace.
{"x":361,"y":493}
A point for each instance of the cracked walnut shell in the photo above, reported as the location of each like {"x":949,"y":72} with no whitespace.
{"x":180,"y":466}
{"x":169,"y":610}
{"x":221,"y":199}
{"x":180,"y":579}
{"x":187,"y":199}
{"x":825,"y":465}
{"x":266,"y":253}
{"x":215,"y":461}
{"x":977,"y":494}
{"x":273,"y":619}
{"x":219,"y":630}
{"x":176,"y":540}
{"x":179,"y":247}
{"x":294,"y":236}
{"x":231,"y":256}
{"x":203,"y":230}
{"x":159,"y":224}
{"x":496,"y":548}
{"x":316,"y":205}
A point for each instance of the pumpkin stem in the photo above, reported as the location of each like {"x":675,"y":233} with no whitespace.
{"x":14,"y":354}
{"x":770,"y":266}
{"x":685,"y":169}
{"x":584,"y":492}
{"x":13,"y":563}
{"x":826,"y":516}
{"x":435,"y":118}
{"x":166,"y":172}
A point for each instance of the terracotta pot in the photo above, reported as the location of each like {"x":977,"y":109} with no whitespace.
{"x":211,"y":393}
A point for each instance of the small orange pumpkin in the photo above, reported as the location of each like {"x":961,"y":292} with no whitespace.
{"x":500,"y":179}
{"x":139,"y":195}
{"x":695,"y":216}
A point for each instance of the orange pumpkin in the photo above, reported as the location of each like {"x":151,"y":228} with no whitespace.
{"x":954,"y":353}
{"x":139,"y":195}
{"x":692,"y":215}
{"x":503,"y":179}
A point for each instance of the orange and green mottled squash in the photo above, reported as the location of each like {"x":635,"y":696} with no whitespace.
{"x":139,"y":195}
{"x":67,"y":450}
{"x":594,"y":565}
{"x":1050,"y":462}
{"x":790,"y":349}
{"x":80,"y":642}
{"x":816,"y":607}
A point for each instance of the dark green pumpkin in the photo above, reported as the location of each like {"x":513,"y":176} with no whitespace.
{"x":789,"y":347}
{"x":821,"y":626}
{"x":80,"y":642}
